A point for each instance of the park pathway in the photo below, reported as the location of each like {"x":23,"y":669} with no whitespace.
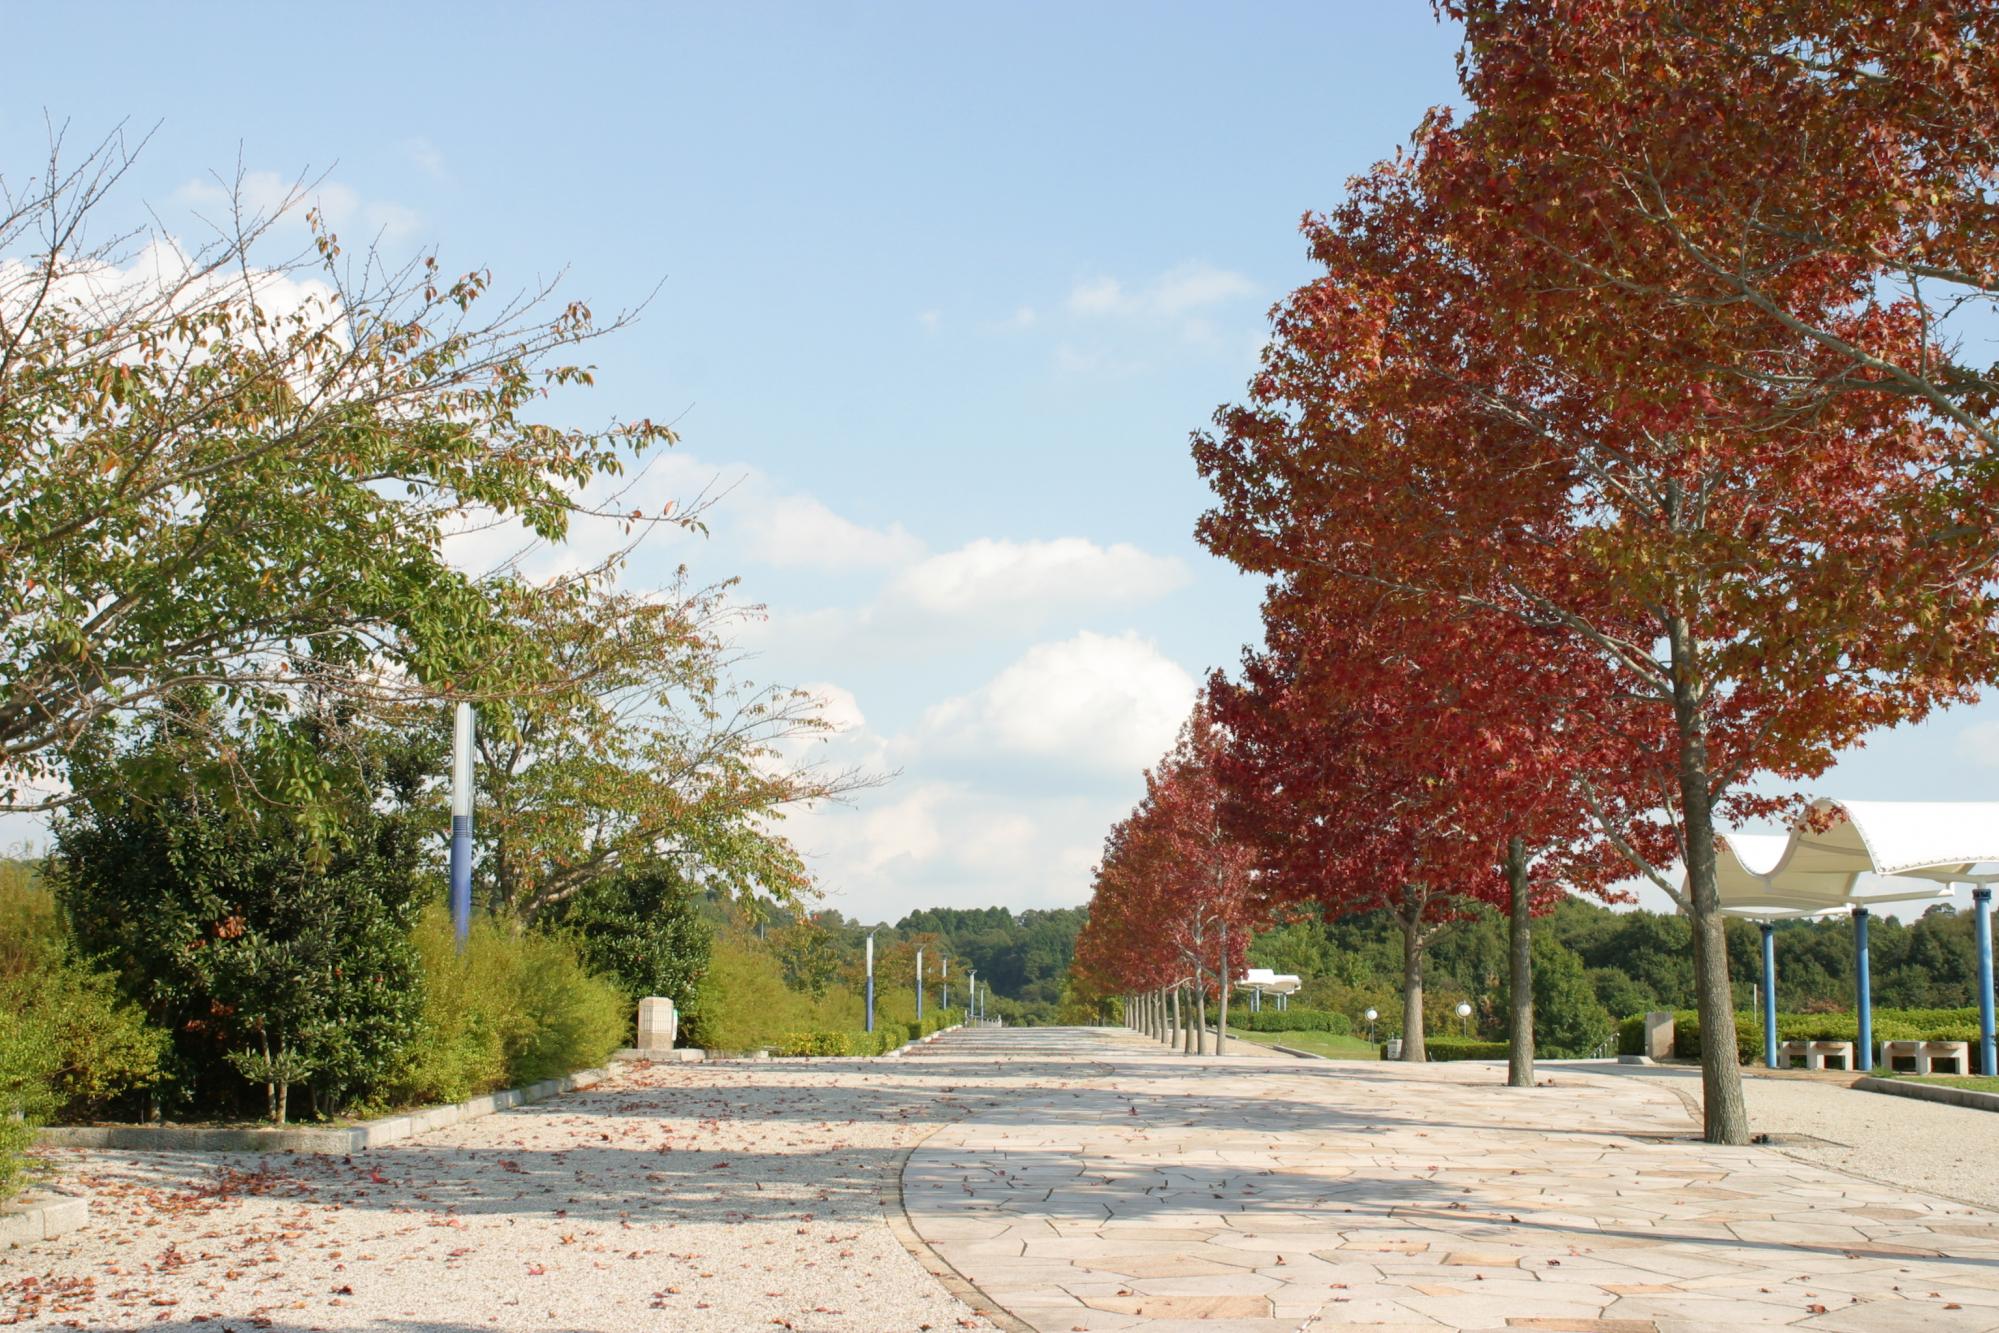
{"x":1260,"y":1193}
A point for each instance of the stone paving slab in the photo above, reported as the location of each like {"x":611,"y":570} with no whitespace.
{"x":1156,"y":1191}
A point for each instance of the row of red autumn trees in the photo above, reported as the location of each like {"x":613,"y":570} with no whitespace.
{"x":1630,"y":449}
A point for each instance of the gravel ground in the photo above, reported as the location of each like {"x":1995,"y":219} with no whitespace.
{"x":1928,"y":1146}
{"x":682,"y":1197}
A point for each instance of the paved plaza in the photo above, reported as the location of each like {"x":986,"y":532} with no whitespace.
{"x":1244,"y":1194}
{"x":1052,"y":1179}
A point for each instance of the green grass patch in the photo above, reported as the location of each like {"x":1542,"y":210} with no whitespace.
{"x":1969,"y":1082}
{"x":1330,"y":1044}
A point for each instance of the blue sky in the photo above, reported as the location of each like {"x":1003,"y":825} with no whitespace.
{"x":941,"y":292}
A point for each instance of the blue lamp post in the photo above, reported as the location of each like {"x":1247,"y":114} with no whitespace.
{"x":1981,"y":915}
{"x":871,"y":981}
{"x":944,"y":980}
{"x":1769,"y":995}
{"x":461,"y":823}
{"x":1863,"y":984}
{"x":972,"y":995}
{"x":919,"y":985}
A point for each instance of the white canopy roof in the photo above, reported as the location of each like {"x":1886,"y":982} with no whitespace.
{"x":1274,"y":983}
{"x":1818,"y":869}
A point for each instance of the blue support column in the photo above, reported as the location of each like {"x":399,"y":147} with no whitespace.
{"x":461,"y":824}
{"x":1981,"y":912}
{"x":1863,"y":985}
{"x":1769,"y":995}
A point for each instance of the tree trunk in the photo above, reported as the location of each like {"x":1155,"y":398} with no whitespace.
{"x":1177,"y":1019}
{"x":1201,"y":1012}
{"x":1412,"y":987}
{"x":1222,"y":1014}
{"x":1520,"y":958}
{"x":284,"y":1096}
{"x":1726,"y":1114}
{"x":1187,"y":1034}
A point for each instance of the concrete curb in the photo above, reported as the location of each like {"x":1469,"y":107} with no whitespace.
{"x":1293,"y":1050}
{"x":41,"y":1215}
{"x":629,"y":1055}
{"x":354,"y":1138}
{"x":1931,"y":1092}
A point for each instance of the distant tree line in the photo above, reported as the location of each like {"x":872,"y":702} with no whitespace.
{"x":1595,"y":965}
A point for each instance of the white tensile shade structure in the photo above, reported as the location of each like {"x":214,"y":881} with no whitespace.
{"x":1816,"y":869}
{"x":1262,"y":981}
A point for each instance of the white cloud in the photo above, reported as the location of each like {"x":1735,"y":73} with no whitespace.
{"x":287,"y":197}
{"x":1099,"y":702}
{"x":1176,"y":293}
{"x":931,"y":320}
{"x":954,"y":844}
{"x":1096,"y":296}
{"x":990,"y":576}
{"x":425,"y":155}
{"x":838,"y":706}
{"x":799,"y":530}
{"x":1979,"y":743}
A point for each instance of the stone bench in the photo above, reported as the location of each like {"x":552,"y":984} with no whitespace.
{"x":1815,"y":1054}
{"x":1922,"y":1057}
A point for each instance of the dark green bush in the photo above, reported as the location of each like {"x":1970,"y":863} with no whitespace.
{"x":1631,"y":1035}
{"x":640,"y":926}
{"x":273,"y":947}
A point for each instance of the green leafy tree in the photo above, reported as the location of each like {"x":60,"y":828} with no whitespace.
{"x":214,"y":468}
{"x":649,"y":751}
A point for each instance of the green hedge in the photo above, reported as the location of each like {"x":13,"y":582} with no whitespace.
{"x":1290,"y":1020}
{"x":1458,"y":1048}
{"x":885,"y":1038}
{"x":1889,"y":1025}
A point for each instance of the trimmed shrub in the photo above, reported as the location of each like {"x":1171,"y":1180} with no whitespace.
{"x":1456,"y":1048}
{"x":1889,"y":1025}
{"x":1291,"y":1020}
{"x":1631,"y":1035}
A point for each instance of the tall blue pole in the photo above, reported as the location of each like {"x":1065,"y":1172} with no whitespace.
{"x":944,"y":979}
{"x":919,"y":985}
{"x":1864,"y":985}
{"x":1769,"y":996}
{"x":461,"y":824}
{"x":1981,"y":912}
{"x":871,"y":981}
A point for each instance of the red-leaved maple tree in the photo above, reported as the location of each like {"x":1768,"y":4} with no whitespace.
{"x":1765,"y":573}
{"x":1174,"y":902}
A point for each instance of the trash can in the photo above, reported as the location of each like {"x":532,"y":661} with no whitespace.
{"x":1393,"y":1050}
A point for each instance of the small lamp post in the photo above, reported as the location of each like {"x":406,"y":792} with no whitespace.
{"x":944,"y":979}
{"x":972,"y":995}
{"x":1370,"y":1016}
{"x":919,"y":985}
{"x":1464,"y":1017}
{"x":871,"y":981}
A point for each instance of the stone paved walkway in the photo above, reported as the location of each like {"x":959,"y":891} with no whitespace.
{"x":1251,"y":1193}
